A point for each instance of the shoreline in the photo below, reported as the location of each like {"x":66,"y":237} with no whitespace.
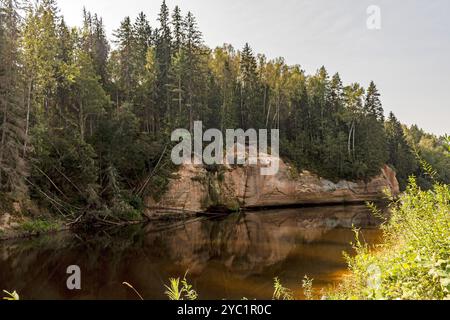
{"x":162,"y":214}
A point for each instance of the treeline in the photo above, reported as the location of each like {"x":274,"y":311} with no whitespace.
{"x":85,"y":123}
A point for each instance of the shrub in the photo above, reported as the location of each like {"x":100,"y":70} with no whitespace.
{"x":413,"y":263}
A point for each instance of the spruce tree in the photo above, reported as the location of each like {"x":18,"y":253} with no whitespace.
{"x":194,"y":79}
{"x":126,"y":81}
{"x":178,"y":29}
{"x":401,"y":156}
{"x":250,"y":117}
{"x":13,"y":167}
{"x":163,"y":40}
{"x":373,"y":104}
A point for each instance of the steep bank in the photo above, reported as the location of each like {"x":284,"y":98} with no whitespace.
{"x":196,"y":189}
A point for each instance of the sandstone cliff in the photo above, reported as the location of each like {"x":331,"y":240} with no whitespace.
{"x":198,"y":189}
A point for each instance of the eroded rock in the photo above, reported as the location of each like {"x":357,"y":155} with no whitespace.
{"x":198,"y":189}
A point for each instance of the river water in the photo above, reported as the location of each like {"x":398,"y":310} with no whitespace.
{"x":227,"y":258}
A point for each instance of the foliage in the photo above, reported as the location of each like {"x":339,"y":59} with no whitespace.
{"x":180,"y":290}
{"x":280,"y":292}
{"x":40,"y":226}
{"x":414,"y":260}
{"x":432,"y":154}
{"x":86,"y":128}
{"x":307,"y":285}
{"x":11,"y":296}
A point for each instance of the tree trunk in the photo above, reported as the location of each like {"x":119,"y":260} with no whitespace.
{"x":27,"y":126}
{"x":2,"y":142}
{"x":81,"y":122}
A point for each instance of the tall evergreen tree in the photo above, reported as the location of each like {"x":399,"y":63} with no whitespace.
{"x":164,"y":60}
{"x":126,"y":81}
{"x":249,"y":87}
{"x":373,"y":148}
{"x":195,"y":69}
{"x":373,"y":104}
{"x":13,"y":168}
{"x":401,"y":156}
{"x":178,"y":29}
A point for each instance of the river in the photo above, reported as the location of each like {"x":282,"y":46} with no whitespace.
{"x":227,"y":258}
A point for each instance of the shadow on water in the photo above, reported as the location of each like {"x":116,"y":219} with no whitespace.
{"x":232,"y":257}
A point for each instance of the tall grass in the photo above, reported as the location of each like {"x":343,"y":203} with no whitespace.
{"x":11,"y":296}
{"x":413,"y":263}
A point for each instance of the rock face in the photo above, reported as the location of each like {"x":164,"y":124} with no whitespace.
{"x":196,"y":189}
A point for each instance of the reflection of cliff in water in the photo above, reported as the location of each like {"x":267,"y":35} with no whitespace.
{"x":229,"y":257}
{"x":248,"y":243}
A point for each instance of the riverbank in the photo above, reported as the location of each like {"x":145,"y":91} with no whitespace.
{"x":413,"y":261}
{"x":14,"y":227}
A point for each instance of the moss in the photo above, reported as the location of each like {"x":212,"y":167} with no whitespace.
{"x":233,"y":206}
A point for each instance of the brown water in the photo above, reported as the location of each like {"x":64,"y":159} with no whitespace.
{"x":227,"y":258}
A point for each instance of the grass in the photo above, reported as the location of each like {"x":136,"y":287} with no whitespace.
{"x":180,"y":290}
{"x":40,"y":226}
{"x":280,"y":292}
{"x":11,"y":296}
{"x":413,"y":263}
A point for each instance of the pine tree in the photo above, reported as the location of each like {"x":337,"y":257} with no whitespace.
{"x":401,"y":156}
{"x":100,"y":50}
{"x":142,"y":35}
{"x":126,"y":80}
{"x":13,"y":167}
{"x":373,"y":104}
{"x":164,"y":60}
{"x":178,"y":29}
{"x":194,"y":79}
{"x":143,"y":98}
{"x":249,"y":91}
{"x":372,"y":149}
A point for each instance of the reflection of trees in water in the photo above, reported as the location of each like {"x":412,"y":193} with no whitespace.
{"x":239,"y":244}
{"x":248,"y":243}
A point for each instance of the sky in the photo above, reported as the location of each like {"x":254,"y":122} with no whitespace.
{"x":408,"y":57}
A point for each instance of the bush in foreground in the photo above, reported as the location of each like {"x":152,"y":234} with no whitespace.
{"x":413,"y":263}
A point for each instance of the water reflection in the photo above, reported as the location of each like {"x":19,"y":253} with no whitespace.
{"x":232,"y":257}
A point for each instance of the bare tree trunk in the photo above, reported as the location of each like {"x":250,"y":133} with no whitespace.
{"x":179,"y":96}
{"x":27,"y":126}
{"x":268,"y":115}
{"x":3,"y":139}
{"x":191,"y":115}
{"x":349,"y":147}
{"x":81,"y":121}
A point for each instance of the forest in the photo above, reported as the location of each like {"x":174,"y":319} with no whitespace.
{"x":85,"y":122}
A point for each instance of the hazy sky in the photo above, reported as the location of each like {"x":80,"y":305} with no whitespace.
{"x":409,"y":58}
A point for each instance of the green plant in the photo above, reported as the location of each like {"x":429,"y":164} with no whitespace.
{"x":180,"y":290}
{"x":413,"y":263}
{"x":447,"y":144}
{"x":280,"y":292}
{"x":307,"y":285}
{"x":40,"y":226}
{"x":11,"y":296}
